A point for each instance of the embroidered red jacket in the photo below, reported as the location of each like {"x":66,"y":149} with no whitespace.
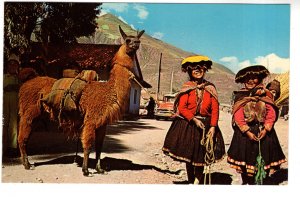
{"x":188,"y":104}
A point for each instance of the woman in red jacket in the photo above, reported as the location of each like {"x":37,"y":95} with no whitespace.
{"x":254,"y":116}
{"x":197,"y":110}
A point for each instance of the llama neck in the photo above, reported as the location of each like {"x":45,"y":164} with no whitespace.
{"x":120,"y":82}
{"x":122,"y":58}
{"x":120,"y":74}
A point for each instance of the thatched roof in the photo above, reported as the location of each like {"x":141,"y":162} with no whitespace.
{"x":284,"y":87}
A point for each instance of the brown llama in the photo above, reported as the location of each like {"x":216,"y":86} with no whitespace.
{"x":101,"y":103}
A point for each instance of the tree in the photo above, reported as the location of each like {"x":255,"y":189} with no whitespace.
{"x":46,"y":22}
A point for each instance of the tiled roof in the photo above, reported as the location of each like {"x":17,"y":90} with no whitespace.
{"x":88,"y":56}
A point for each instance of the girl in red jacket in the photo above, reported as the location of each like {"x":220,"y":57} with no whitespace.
{"x":197,"y":118}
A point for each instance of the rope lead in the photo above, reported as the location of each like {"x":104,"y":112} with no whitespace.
{"x":207,"y":171}
{"x":209,"y":158}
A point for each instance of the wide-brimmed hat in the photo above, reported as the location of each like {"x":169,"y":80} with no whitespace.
{"x":260,"y":71}
{"x":194,"y":61}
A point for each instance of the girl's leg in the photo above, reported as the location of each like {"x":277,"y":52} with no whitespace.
{"x":244,"y":179}
{"x":269,"y":179}
{"x":190,"y":173}
{"x":244,"y":176}
{"x":199,"y":173}
{"x":251,"y":180}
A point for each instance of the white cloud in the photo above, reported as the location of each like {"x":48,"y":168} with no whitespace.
{"x":122,"y":19}
{"x":124,"y":7}
{"x":142,"y":11}
{"x":244,"y":64}
{"x":274,"y":63}
{"x":103,"y":12}
{"x":117,"y":7}
{"x":158,"y":35}
{"x":231,"y":60}
{"x":132,"y":27}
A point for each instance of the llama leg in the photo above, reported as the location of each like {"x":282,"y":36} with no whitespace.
{"x":87,"y":139}
{"x":100,"y":134}
{"x":86,"y":154}
{"x":76,"y":154}
{"x":24,"y":132}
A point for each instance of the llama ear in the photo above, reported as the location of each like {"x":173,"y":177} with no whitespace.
{"x":140,"y":34}
{"x":122,"y":33}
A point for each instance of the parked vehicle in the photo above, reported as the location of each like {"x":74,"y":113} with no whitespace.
{"x":165,"y":108}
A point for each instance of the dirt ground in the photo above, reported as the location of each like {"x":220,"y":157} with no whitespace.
{"x":131,"y":155}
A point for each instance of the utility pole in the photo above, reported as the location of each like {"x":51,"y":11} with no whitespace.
{"x":158,"y":81}
{"x":171,"y":85}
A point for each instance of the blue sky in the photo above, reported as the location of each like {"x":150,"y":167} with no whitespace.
{"x":235,"y":35}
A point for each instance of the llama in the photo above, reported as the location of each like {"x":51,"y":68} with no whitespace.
{"x":101,"y":103}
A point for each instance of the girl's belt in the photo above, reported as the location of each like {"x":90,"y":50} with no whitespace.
{"x":201,"y":117}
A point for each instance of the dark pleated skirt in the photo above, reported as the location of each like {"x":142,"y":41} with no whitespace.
{"x":243,"y":152}
{"x":182,"y":143}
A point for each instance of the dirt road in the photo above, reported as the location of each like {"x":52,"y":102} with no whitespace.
{"x":132,"y":155}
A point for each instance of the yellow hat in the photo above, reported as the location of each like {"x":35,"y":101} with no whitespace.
{"x":196,"y":60}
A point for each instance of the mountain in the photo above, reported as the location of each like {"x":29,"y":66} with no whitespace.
{"x":149,"y":54}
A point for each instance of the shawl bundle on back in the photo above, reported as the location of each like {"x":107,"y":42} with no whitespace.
{"x":254,"y":102}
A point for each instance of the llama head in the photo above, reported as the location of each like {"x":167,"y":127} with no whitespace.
{"x":132,"y":42}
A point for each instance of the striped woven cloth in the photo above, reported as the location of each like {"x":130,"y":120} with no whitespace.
{"x":68,"y":89}
{"x":66,"y":92}
{"x":88,"y":75}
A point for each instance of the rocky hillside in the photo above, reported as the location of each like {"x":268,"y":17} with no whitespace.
{"x":149,"y":58}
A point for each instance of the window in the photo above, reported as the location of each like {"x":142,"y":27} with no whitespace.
{"x":135,"y":97}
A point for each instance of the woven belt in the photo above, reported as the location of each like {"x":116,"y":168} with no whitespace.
{"x":201,"y":117}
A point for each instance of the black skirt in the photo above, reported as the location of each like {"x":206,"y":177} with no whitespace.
{"x":182,"y":142}
{"x":243,"y":152}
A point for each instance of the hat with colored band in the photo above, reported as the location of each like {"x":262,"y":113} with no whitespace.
{"x":258,"y":70}
{"x":195,"y":61}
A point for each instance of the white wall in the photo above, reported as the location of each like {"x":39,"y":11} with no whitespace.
{"x":135,"y":95}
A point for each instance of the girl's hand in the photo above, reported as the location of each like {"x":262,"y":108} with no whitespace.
{"x":251,"y":136}
{"x":262,"y":133}
{"x":211,"y":132}
{"x":199,"y":123}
